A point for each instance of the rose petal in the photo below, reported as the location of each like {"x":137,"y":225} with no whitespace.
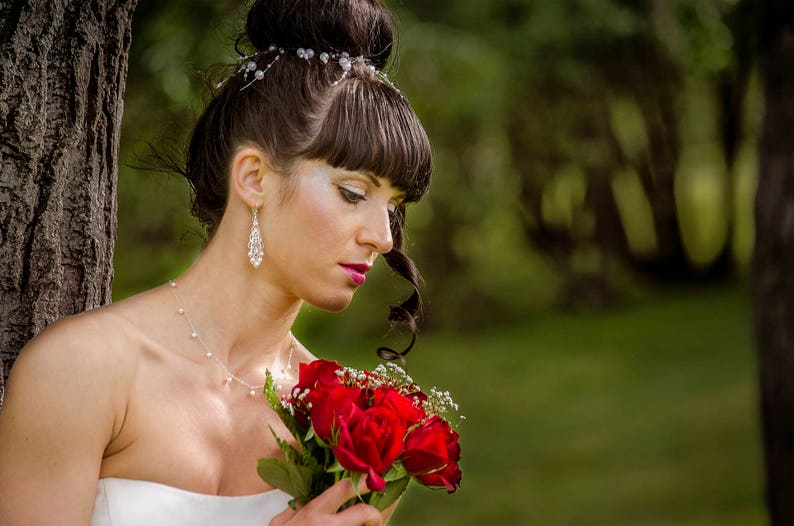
{"x":374,"y":481}
{"x":448,"y":478}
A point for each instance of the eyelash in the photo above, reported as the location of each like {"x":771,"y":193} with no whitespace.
{"x":354,"y":198}
{"x":350,"y":196}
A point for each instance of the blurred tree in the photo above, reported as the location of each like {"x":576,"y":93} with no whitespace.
{"x":613,"y":82}
{"x":62,"y":67}
{"x":607,"y":111}
{"x":774,"y":259}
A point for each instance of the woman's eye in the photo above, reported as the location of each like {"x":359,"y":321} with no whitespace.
{"x":351,"y":196}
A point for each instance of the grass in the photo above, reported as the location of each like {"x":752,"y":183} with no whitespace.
{"x":641,"y":417}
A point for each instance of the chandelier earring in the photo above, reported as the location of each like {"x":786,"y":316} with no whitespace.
{"x":256,"y":250}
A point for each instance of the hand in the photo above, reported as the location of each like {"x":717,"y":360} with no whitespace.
{"x":321,"y":510}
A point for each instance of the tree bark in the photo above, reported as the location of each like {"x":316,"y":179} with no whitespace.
{"x":773,"y":261}
{"x":63,"y":65}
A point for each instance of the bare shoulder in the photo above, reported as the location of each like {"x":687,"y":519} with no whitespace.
{"x":81,"y":350}
{"x":77,"y":371}
{"x":78,"y":367}
{"x":66,"y":399}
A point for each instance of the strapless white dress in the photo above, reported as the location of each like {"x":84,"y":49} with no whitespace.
{"x":128,"y":502}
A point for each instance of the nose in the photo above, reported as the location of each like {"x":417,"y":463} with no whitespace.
{"x":376,"y":231}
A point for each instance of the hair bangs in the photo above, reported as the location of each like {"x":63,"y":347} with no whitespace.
{"x":368,"y":126}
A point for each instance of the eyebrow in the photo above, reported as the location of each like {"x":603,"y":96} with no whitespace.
{"x":373,"y":179}
{"x":376,"y":182}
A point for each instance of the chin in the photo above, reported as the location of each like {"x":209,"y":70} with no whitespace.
{"x":331,"y":304}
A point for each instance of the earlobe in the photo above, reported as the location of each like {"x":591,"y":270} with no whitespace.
{"x":249,"y":169}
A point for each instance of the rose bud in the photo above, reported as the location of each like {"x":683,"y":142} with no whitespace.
{"x":431,"y":454}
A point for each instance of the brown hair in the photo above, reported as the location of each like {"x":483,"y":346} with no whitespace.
{"x":297,"y":111}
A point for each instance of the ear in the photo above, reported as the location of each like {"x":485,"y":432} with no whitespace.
{"x":249,"y":175}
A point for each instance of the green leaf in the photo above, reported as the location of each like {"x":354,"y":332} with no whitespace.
{"x":275,"y":403}
{"x":319,"y":440}
{"x":309,"y":460}
{"x":290,"y":453}
{"x":309,"y":434}
{"x":335,"y":467}
{"x":391,"y":493}
{"x":396,"y":472}
{"x":355,"y":477}
{"x":289,"y":478}
{"x":270,"y":391}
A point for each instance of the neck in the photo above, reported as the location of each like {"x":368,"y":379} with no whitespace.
{"x":242,"y":316}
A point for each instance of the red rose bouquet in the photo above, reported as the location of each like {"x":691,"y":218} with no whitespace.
{"x":350,"y":423}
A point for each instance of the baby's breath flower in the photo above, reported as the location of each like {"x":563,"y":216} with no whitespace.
{"x":439,"y":403}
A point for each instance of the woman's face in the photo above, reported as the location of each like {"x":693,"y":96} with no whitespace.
{"x":319,"y":244}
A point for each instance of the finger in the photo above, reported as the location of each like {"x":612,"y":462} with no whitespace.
{"x":332,"y":498}
{"x":282,"y":517}
{"x":361,"y":515}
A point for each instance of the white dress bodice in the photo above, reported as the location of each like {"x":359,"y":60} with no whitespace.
{"x":128,"y":502}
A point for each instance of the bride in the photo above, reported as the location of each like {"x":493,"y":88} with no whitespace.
{"x":149,"y":411}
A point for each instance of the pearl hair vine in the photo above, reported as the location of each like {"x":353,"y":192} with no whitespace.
{"x":250,"y":68}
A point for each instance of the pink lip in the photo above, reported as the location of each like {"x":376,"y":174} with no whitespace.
{"x":356,"y":272}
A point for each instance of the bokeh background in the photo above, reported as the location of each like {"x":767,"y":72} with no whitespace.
{"x":585,"y":246}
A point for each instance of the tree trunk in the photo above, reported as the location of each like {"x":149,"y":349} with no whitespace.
{"x":773,"y":263}
{"x":63,"y":65}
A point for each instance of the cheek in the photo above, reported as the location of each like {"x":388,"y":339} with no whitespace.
{"x":309,"y":230}
{"x":318,"y":223}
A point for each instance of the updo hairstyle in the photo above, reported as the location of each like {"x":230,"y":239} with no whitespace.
{"x":297,"y":111}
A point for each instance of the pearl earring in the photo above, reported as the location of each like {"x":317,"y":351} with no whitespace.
{"x":255,"y":247}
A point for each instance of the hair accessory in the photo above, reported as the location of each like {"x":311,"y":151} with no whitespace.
{"x":344,"y":60}
{"x":256,"y":250}
{"x":252,"y":67}
{"x":229,"y":376}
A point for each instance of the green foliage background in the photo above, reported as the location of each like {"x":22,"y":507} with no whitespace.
{"x":584,"y":245}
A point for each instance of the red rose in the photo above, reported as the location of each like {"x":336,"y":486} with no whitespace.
{"x":316,"y":373}
{"x":312,"y":376}
{"x":402,"y":406}
{"x":449,"y":478}
{"x":328,"y":404}
{"x":431,"y":454}
{"x":370,"y":442}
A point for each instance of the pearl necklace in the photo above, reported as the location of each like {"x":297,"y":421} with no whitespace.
{"x":230,"y":376}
